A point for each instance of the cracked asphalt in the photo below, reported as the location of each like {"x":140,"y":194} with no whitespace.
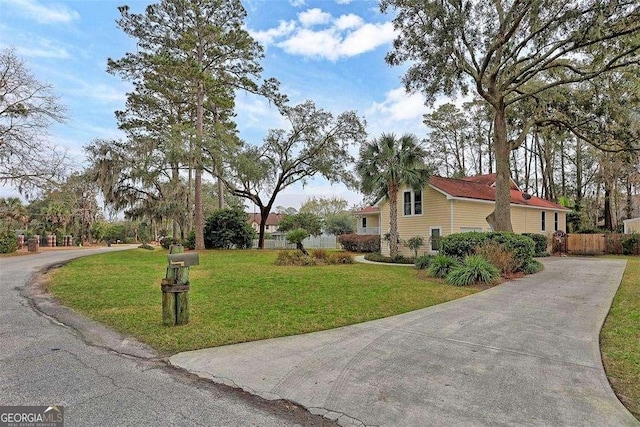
{"x":101,"y":378}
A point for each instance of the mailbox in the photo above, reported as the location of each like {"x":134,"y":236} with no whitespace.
{"x":183,"y":260}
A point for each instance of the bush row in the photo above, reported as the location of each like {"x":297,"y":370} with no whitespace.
{"x":398,"y":259}
{"x":316,"y":257}
{"x":8,"y":243}
{"x":462,"y":245}
{"x":359,"y":243}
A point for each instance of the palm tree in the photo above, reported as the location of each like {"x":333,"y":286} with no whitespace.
{"x":385,"y":165}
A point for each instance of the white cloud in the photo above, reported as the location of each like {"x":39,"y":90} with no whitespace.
{"x":342,"y":37}
{"x":344,"y":1}
{"x":367,"y":38}
{"x":349,"y":21}
{"x":297,"y":3}
{"x":314,"y":16}
{"x":268,"y":36}
{"x":400,"y":106}
{"x":44,"y":14}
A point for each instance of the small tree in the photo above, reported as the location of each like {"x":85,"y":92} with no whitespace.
{"x":415,"y":243}
{"x":297,"y":236}
{"x":307,"y":221}
{"x":339,"y":224}
{"x":228,"y":228}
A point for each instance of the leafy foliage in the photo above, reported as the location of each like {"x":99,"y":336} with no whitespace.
{"x":190,"y":240}
{"x":167,"y":241}
{"x":630,"y":244}
{"x":423,"y":261}
{"x":415,"y":243}
{"x":316,"y":257}
{"x":228,"y":228}
{"x":500,"y":258}
{"x":8,"y":243}
{"x":475,"y":269}
{"x":541,"y":243}
{"x":532,"y":266}
{"x":339,"y":224}
{"x":441,"y":265}
{"x":359,"y":243}
{"x":307,"y":221}
{"x":398,"y":259}
{"x":461,"y":245}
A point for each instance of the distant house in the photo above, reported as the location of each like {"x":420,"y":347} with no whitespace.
{"x":631,"y":225}
{"x":448,"y":205}
{"x":272,"y":224}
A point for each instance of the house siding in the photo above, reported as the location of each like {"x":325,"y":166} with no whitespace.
{"x":632,"y":225}
{"x":435,"y":213}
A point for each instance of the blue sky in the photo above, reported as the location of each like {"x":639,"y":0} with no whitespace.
{"x":329,"y":51}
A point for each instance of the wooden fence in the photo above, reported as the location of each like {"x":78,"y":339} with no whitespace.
{"x":596,"y":244}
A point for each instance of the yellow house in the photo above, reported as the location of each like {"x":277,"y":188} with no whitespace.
{"x":448,"y":205}
{"x":632,"y":225}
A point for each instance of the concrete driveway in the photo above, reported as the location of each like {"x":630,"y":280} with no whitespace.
{"x":523,"y":353}
{"x":43,"y":362}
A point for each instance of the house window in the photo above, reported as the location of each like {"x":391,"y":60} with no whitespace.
{"x":407,"y":202}
{"x":364,"y":222}
{"x":417,"y":203}
{"x":555,"y":221}
{"x":434,"y":238}
{"x":543,"y":225}
{"x":412,"y":203}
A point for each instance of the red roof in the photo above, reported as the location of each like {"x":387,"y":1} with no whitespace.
{"x":488,"y":179}
{"x":480,"y":188}
{"x":272,"y":219}
{"x":368,"y":210}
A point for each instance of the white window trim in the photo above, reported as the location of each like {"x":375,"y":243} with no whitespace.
{"x":413,"y":201}
{"x":430,"y":234}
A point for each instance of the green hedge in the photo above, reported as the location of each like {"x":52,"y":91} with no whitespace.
{"x":462,"y":245}
{"x":8,"y":243}
{"x":541,"y":243}
{"x":360,"y":243}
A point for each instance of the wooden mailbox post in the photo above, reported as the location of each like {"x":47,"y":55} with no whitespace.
{"x":175,"y":286}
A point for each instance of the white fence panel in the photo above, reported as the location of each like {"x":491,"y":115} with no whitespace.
{"x":320,"y":242}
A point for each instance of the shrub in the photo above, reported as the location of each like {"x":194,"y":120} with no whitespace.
{"x":423,"y":262}
{"x":398,"y":259}
{"x":190,"y":241}
{"x":532,"y":266}
{"x":475,"y":269}
{"x":360,"y":243}
{"x":228,"y":228}
{"x":8,"y":243}
{"x":165,"y":242}
{"x":320,"y":254}
{"x":522,"y":247}
{"x":441,"y":265}
{"x":461,"y":245}
{"x":415,"y":243}
{"x":630,"y":244}
{"x":146,"y":246}
{"x":499,"y":257}
{"x":318,"y":257}
{"x":340,"y":258}
{"x":541,"y":243}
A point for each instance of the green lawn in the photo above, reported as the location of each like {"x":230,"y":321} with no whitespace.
{"x":620,"y":339}
{"x":239,"y":296}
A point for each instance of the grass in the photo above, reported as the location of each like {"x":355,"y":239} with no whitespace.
{"x":620,"y":339}
{"x":239,"y":296}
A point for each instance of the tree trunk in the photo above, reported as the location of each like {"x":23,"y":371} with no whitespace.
{"x":393,"y":221}
{"x":579,"y":192}
{"x":221,"y":203}
{"x":264,"y":215}
{"x":608,"y":219}
{"x":198,"y":215}
{"x":500,"y":218}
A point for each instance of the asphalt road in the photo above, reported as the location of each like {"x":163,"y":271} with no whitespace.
{"x":522,"y":353}
{"x":44,"y":362}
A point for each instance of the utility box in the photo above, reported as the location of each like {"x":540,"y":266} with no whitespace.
{"x":175,"y":286}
